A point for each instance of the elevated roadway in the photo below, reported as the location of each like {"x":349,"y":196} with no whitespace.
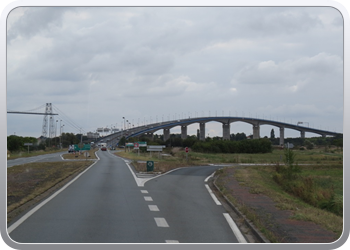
{"x":149,"y":129}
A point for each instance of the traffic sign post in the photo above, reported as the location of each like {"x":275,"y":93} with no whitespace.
{"x":150,"y":166}
{"x":28,"y":144}
{"x":136,"y":146}
{"x":186,"y":149}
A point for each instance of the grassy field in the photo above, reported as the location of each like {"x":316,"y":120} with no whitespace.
{"x":259,"y":181}
{"x":177,"y":155}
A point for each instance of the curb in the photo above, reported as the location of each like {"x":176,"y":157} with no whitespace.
{"x":255,"y":231}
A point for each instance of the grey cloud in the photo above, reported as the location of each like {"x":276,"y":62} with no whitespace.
{"x":36,"y":20}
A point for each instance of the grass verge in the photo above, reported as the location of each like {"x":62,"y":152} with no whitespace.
{"x":28,"y":181}
{"x":259,"y":181}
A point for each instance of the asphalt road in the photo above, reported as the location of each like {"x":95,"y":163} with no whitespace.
{"x":108,"y":204}
{"x":39,"y":158}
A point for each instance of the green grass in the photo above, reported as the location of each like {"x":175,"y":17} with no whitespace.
{"x":259,"y":180}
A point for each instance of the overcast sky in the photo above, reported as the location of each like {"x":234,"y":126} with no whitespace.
{"x":97,"y":65}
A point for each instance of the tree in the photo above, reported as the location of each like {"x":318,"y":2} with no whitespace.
{"x":272,"y":134}
{"x":122,"y":141}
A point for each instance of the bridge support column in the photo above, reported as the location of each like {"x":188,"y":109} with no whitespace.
{"x":183,"y":132}
{"x":166,"y":134}
{"x":202,"y":131}
{"x":256,"y":131}
{"x":225,"y":131}
{"x":281,"y":136}
{"x":302,"y":134}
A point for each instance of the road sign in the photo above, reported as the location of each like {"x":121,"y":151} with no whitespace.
{"x":28,"y":144}
{"x":186,"y":149}
{"x":136,"y":145}
{"x":150,"y":166}
{"x":142,"y":143}
{"x":155,"y":148}
{"x":82,"y":147}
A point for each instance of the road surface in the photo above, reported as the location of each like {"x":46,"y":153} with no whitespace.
{"x":108,"y":204}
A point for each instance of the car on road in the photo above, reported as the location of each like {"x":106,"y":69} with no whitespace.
{"x":104,"y":149}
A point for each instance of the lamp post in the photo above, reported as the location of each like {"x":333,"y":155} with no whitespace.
{"x":61,"y":131}
{"x":56,"y":132}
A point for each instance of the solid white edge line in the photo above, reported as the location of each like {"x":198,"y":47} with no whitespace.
{"x":206,"y":179}
{"x":235,"y":229}
{"x":212,"y":195}
{"x":32,"y":211}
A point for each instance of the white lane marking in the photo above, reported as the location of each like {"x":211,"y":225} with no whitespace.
{"x":148,"y":198}
{"x":27,"y":215}
{"x":153,"y":208}
{"x":161,"y":222}
{"x":144,"y":191}
{"x":206,"y":179}
{"x":235,"y":229}
{"x":172,"y":241}
{"x":212,"y":195}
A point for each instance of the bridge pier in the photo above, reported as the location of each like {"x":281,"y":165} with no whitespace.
{"x":183,"y":132}
{"x":302,"y":134}
{"x":256,"y":131}
{"x":281,"y":136}
{"x":166,"y":134}
{"x":225,"y":131}
{"x":202,"y":131}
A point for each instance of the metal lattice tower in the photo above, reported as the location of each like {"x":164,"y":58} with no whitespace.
{"x":48,"y":112}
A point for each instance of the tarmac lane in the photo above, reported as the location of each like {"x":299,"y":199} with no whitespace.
{"x":106,"y":205}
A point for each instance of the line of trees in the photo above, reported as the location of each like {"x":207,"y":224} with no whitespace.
{"x":237,"y":144}
{"x":16,"y":143}
{"x":225,"y":146}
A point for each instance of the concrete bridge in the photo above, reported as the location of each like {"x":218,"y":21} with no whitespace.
{"x":149,"y":129}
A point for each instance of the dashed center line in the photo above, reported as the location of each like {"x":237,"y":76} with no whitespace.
{"x":148,"y":198}
{"x":144,"y":191}
{"x":153,"y":208}
{"x":161,"y":222}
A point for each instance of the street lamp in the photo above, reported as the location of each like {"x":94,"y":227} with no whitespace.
{"x":61,"y":131}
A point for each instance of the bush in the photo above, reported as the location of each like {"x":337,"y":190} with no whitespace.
{"x":244,"y":146}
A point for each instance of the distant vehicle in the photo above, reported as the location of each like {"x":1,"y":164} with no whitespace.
{"x":104,"y":146}
{"x":71,"y":149}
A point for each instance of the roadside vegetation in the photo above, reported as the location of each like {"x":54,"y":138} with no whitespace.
{"x":259,"y":180}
